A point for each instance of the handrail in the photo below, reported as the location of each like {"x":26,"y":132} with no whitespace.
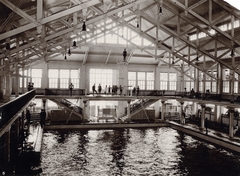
{"x":9,"y":109}
{"x":69,"y":104}
{"x":63,"y":92}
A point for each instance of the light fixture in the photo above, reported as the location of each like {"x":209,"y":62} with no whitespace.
{"x":160,"y":10}
{"x":173,"y":61}
{"x":69,"y":52}
{"x":84,"y":26}
{"x":197,"y":59}
{"x":232,"y":53}
{"x":65,"y":58}
{"x":74,"y":44}
{"x":124,"y":54}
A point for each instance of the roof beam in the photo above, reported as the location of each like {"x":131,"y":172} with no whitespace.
{"x":19,"y":11}
{"x":109,"y":53}
{"x":85,"y":56}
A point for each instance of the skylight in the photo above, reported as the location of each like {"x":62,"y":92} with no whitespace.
{"x":234,"y":3}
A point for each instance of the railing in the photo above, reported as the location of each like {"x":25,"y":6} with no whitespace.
{"x":46,"y":91}
{"x":138,"y":104}
{"x":9,"y":109}
{"x":70,"y":105}
{"x":235,"y":98}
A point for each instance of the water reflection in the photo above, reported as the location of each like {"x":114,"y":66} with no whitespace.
{"x":159,"y":151}
{"x":118,"y":146}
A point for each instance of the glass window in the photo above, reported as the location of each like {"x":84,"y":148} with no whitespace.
{"x":132,"y":79}
{"x":141,"y":80}
{"x":36,"y":77}
{"x":101,"y":76}
{"x":235,"y":86}
{"x":53,"y":78}
{"x":226,"y":86}
{"x":172,"y":81}
{"x":64,"y":79}
{"x":74,"y":75}
{"x":23,"y":81}
{"x":163,"y":81}
{"x":208,"y":86}
{"x":150,"y":81}
{"x":214,"y":87}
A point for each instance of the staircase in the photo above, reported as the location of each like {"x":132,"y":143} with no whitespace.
{"x":138,"y":106}
{"x":72,"y":108}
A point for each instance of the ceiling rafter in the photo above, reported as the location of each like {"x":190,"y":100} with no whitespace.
{"x":108,"y":56}
{"x":79,"y":25}
{"x":206,"y":22}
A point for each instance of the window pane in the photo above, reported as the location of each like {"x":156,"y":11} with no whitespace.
{"x":163,"y":76}
{"x":53,"y":73}
{"x":53,"y":82}
{"x":64,"y":83}
{"x":226,"y":86}
{"x":101,"y":76}
{"x":36,"y":77}
{"x":37,"y":73}
{"x":75,"y":82}
{"x":132,"y":76}
{"x":150,"y":76}
{"x":141,"y":75}
{"x":64,"y":73}
{"x":163,"y":81}
{"x":75,"y":73}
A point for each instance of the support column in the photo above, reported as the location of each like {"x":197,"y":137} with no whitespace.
{"x":128,"y":109}
{"x":196,"y":74}
{"x":181,"y":112}
{"x":157,"y":109}
{"x":7,"y":82}
{"x":217,"y":113}
{"x":23,"y":76}
{"x":219,"y":82}
{"x":231,"y":79}
{"x":203,"y":117}
{"x":84,"y":79}
{"x":45,"y":75}
{"x":231,"y":122}
{"x":163,"y":108}
{"x":156,"y":87}
{"x":84,"y":109}
{"x":17,"y":81}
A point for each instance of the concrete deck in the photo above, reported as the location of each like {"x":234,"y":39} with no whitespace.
{"x":213,"y":137}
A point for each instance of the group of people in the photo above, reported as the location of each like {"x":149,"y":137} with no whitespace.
{"x":108,"y":89}
{"x":30,"y":86}
{"x":135,"y":90}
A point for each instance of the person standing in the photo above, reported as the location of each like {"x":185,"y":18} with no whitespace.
{"x":138,"y":89}
{"x":105,"y":90}
{"x":109,"y":89}
{"x":71,"y":86}
{"x":134,"y":91}
{"x":99,"y":88}
{"x":29,"y":86}
{"x":94,"y":89}
{"x":121,"y":89}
